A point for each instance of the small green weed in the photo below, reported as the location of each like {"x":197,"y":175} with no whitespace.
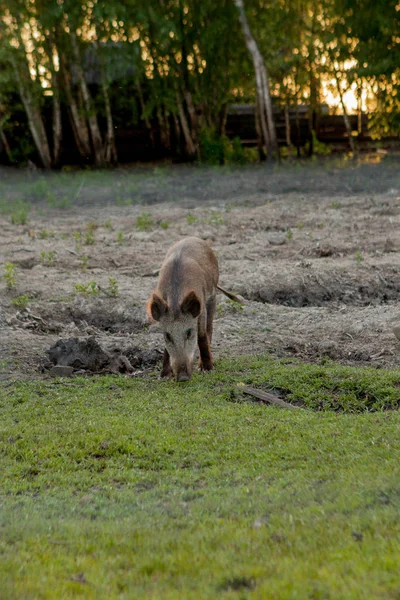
{"x":108,"y":225}
{"x":359,"y":257}
{"x":144,"y":222}
{"x":91,"y":226}
{"x":21,"y":302}
{"x":289,"y":234}
{"x":164,"y":224}
{"x":216,"y":218}
{"x":120,"y":237}
{"x":335,"y":204}
{"x":10,"y":275}
{"x":191,"y":219}
{"x":87,"y":289}
{"x":89,"y":239}
{"x":48,"y":258}
{"x":112,"y":288}
{"x":84,"y":264}
{"x":19,"y":217}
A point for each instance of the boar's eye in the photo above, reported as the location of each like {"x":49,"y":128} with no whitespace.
{"x":169,"y":339}
{"x":189,"y":333}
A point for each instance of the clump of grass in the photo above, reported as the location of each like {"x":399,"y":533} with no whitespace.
{"x":91,"y":226}
{"x":10,"y":275}
{"x":335,"y":204}
{"x":164,"y":224}
{"x":216,"y":218}
{"x":191,"y":219}
{"x":21,"y":302}
{"x":20,"y":216}
{"x":48,"y":258}
{"x":108,"y":225}
{"x":84,"y":264}
{"x":89,"y":239}
{"x":359,"y":257}
{"x":289,"y":234}
{"x":120,"y":237}
{"x":112,"y":288}
{"x":87,"y":289}
{"x":144,"y":222}
{"x":123,"y":201}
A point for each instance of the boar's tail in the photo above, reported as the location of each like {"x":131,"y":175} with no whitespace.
{"x":230,"y":295}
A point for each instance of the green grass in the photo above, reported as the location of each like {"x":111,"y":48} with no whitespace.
{"x":141,"y":488}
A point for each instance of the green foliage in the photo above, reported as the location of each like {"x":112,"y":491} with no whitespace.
{"x":21,"y":302}
{"x":84,"y":264}
{"x":89,"y":239}
{"x":112,"y":288}
{"x":213,"y":147}
{"x":191,"y":219}
{"x":120,"y":237}
{"x":217,"y":149}
{"x":144,"y":222}
{"x":164,"y":224}
{"x":48,"y":258}
{"x":359,"y":257}
{"x":154,"y":473}
{"x":319,"y":148}
{"x":87,"y":289}
{"x":10,"y":275}
{"x":20,"y":217}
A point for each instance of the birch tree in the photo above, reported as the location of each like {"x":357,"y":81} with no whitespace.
{"x":262,"y":85}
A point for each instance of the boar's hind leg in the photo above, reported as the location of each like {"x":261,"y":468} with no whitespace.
{"x":206,"y":360}
{"x":166,"y":366}
{"x":211,"y":306}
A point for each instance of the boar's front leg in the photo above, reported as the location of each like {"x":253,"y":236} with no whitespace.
{"x":206,"y":359}
{"x":166,"y":366}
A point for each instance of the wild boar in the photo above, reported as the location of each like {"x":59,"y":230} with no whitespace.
{"x":184,"y":305}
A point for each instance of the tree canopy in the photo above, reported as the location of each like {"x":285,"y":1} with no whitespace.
{"x":89,"y":67}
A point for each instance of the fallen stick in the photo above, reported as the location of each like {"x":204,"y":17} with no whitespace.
{"x":265,"y":397}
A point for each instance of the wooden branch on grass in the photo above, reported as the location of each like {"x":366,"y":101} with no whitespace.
{"x":265,"y":397}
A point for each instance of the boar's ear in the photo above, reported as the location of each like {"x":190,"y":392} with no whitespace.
{"x":156,"y":307}
{"x":191,"y":304}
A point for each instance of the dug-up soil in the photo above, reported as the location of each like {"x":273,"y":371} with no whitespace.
{"x":317,"y":262}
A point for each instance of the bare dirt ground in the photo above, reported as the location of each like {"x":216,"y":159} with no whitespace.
{"x":315,"y":251}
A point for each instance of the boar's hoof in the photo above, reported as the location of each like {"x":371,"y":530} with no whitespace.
{"x":182,"y":377}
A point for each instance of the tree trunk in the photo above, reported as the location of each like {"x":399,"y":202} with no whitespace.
{"x":110,"y":149}
{"x":260,"y":145}
{"x":91,"y":116}
{"x":190,"y":145}
{"x":6,"y":144}
{"x":359,"y":108}
{"x":142,"y":105}
{"x":287,"y":126}
{"x":33,"y":113}
{"x":262,"y":84}
{"x":345,"y":116}
{"x":78,"y":123}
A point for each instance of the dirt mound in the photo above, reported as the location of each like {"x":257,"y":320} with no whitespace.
{"x":312,"y":285}
{"x":88,"y":355}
